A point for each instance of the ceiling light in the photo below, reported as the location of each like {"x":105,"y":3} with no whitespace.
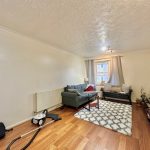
{"x":109,"y":51}
{"x":104,"y":48}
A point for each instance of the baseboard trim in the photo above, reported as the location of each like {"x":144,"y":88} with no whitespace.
{"x":55,"y":107}
{"x":25,"y":120}
{"x":18,"y":123}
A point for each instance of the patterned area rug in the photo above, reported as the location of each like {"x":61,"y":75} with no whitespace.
{"x":111,"y":115}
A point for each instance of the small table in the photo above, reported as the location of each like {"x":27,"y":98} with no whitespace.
{"x":89,"y":98}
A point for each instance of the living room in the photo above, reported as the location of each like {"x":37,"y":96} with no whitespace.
{"x":44,"y":47}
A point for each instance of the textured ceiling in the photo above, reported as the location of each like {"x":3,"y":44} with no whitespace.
{"x":81,"y":26}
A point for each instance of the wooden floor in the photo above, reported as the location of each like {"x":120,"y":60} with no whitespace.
{"x":74,"y":134}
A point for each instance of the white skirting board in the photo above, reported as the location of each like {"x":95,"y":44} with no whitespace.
{"x":44,"y":100}
{"x":47,"y":100}
{"x":23,"y":121}
{"x":18,"y":123}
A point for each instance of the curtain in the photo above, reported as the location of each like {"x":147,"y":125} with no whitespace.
{"x":90,"y":71}
{"x":116,"y":74}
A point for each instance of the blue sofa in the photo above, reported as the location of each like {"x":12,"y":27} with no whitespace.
{"x":76,"y":99}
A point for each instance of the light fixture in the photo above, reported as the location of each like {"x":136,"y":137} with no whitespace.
{"x":109,"y":50}
{"x":104,"y":48}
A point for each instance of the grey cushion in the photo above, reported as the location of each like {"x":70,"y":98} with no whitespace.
{"x":79,"y":87}
{"x":74,"y":91}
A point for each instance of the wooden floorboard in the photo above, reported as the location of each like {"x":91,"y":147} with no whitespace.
{"x":71,"y":133}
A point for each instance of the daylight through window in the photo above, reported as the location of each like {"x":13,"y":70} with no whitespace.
{"x":102,"y":72}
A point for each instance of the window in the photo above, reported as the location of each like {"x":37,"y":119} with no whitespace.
{"x":102,"y":72}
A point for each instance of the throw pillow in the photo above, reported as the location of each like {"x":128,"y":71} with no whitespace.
{"x":74,"y":91}
{"x":125,"y":88}
{"x":116,"y":89}
{"x":107,"y":87}
{"x":90,"y":87}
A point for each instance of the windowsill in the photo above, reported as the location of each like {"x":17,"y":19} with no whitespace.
{"x":112,"y":85}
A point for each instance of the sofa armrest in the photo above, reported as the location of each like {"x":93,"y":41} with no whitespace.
{"x":70,"y":99}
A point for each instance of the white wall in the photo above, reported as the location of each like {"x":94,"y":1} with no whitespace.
{"x":28,"y":66}
{"x":136,"y":69}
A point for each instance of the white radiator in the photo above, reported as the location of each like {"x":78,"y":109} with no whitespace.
{"x":47,"y":100}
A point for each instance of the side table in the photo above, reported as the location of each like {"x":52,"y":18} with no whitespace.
{"x":90,"y":99}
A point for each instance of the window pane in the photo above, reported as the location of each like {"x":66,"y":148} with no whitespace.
{"x":102,"y":73}
{"x":105,"y":78}
{"x":99,"y":79}
{"x":102,"y":67}
{"x":105,"y":67}
{"x":99,"y":68}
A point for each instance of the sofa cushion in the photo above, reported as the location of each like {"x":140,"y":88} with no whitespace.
{"x":74,"y":91}
{"x":107,"y":87}
{"x":84,"y":94}
{"x":116,"y":89}
{"x":125,"y":88}
{"x":79,"y":87}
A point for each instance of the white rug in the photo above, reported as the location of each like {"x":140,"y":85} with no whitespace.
{"x":111,"y":115}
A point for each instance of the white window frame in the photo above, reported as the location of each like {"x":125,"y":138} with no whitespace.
{"x":98,"y":62}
